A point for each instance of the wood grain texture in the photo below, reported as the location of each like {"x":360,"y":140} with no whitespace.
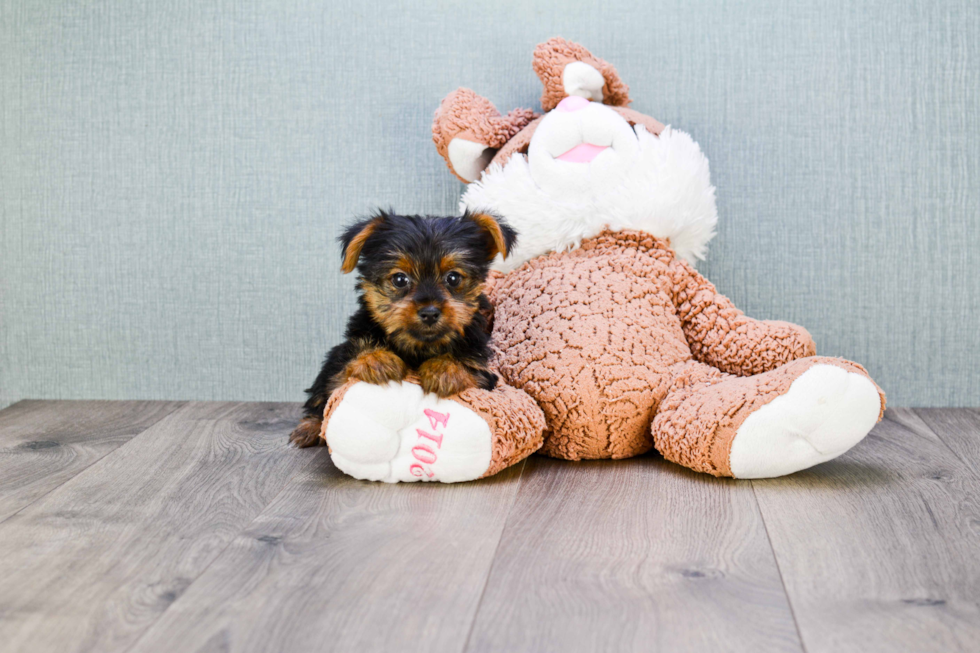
{"x":204,"y":532}
{"x":336,"y":564}
{"x":959,"y":429}
{"x":637,"y":554}
{"x":880,"y":549}
{"x":45,"y":443}
{"x":91,"y":565}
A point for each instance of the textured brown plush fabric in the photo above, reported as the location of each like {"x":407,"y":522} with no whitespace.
{"x":465,"y":114}
{"x":602,"y":335}
{"x":516,"y":423}
{"x":589,"y":334}
{"x":550,"y":59}
{"x":722,"y":336}
{"x":335,"y":398}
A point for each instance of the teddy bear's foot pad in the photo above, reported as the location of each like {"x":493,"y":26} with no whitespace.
{"x":398,"y":433}
{"x":825,"y":412}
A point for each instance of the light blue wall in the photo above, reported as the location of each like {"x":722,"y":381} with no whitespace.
{"x":173,"y":174}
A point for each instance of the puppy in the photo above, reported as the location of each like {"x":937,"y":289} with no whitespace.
{"x":421,"y":307}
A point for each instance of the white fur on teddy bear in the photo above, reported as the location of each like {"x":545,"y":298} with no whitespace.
{"x":825,"y":412}
{"x":398,"y":433}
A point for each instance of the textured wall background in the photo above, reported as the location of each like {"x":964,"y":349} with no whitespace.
{"x":173,"y":174}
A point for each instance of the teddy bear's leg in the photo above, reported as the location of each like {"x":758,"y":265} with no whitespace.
{"x":398,"y":433}
{"x":798,"y":415}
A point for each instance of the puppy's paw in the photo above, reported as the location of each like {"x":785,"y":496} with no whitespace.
{"x":445,"y":376}
{"x":307,"y":433}
{"x":377,"y":366}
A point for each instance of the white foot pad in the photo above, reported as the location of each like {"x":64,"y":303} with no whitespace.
{"x":398,"y":433}
{"x":825,"y":412}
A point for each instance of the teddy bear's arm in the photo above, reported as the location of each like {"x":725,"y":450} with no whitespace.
{"x":722,"y":336}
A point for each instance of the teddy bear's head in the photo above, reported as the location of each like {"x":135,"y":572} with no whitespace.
{"x":588,"y":163}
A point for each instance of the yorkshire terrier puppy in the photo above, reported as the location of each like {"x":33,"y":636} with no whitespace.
{"x":421,"y":308}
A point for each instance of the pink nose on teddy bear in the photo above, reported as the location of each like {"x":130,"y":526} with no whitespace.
{"x":572,"y":103}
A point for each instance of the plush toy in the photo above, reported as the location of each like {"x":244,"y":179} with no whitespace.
{"x":607,"y":340}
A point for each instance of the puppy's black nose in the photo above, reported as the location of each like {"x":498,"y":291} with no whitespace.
{"x":429,"y":315}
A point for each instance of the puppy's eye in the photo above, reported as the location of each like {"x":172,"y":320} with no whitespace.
{"x":453,"y":279}
{"x":400,"y":280}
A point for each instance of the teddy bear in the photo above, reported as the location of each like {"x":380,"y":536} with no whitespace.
{"x":607,"y":340}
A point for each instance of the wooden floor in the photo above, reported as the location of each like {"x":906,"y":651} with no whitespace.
{"x":158,"y":526}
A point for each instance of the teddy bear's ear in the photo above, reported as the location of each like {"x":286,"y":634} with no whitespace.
{"x":566,"y":68}
{"x":468,"y":130}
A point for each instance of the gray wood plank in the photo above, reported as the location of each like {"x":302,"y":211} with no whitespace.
{"x":880,"y":549}
{"x":959,"y":429}
{"x":335,"y":564}
{"x":95,"y":562}
{"x":629,"y":555}
{"x":45,"y":443}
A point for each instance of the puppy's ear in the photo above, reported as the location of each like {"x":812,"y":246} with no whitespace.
{"x":353,"y":239}
{"x":501,"y":238}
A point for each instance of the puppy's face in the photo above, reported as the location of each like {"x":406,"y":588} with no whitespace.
{"x":422,"y":278}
